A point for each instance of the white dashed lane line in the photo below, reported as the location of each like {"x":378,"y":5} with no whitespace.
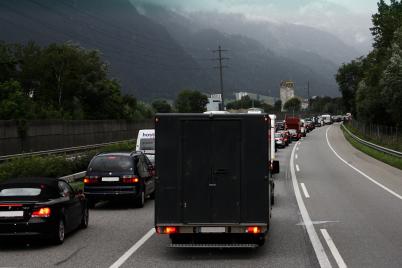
{"x":305,"y":190}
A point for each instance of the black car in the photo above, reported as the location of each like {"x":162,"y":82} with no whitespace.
{"x":129,"y":176}
{"x":45,"y":207}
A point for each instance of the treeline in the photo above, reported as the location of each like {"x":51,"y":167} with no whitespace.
{"x":371,"y":86}
{"x":61,"y":81}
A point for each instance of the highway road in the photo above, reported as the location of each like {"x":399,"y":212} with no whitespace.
{"x":334,"y":206}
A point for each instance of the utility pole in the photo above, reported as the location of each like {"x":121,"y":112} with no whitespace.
{"x":220,"y":60}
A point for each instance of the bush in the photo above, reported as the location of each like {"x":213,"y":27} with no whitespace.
{"x":55,"y":165}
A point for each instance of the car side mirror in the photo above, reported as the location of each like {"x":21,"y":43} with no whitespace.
{"x":275,"y":167}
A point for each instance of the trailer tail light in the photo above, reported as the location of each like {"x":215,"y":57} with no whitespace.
{"x":167,"y":230}
{"x":130,"y":179}
{"x":41,"y":213}
{"x":91,"y":179}
{"x":253,"y":230}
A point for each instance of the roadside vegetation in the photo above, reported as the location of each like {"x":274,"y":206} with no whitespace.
{"x":55,"y":165}
{"x":386,"y":158}
{"x":371,"y":86}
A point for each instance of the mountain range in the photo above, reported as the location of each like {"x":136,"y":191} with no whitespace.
{"x":156,"y":52}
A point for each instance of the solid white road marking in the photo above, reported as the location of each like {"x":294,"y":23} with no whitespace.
{"x":361,"y":172}
{"x":133,"y":249}
{"x":315,"y":240}
{"x":297,"y":168}
{"x":297,"y":156}
{"x":305,"y":190}
{"x":337,"y":256}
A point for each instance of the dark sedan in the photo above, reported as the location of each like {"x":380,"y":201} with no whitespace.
{"x":45,"y":207}
{"x":127,"y":176}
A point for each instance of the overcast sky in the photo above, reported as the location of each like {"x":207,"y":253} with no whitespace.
{"x":348,"y":19}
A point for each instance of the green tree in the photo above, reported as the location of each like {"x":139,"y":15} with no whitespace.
{"x":161,"y":106}
{"x":13,"y":103}
{"x":392,"y":81}
{"x":293,"y":105}
{"x":189,"y":101}
{"x":278,"y":106}
{"x":348,"y":79}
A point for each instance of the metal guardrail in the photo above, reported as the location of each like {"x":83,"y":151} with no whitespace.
{"x":372,"y":145}
{"x":62,"y":150}
{"x":74,"y":177}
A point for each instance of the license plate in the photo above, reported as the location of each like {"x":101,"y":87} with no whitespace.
{"x":213,"y":229}
{"x":110,"y":179}
{"x":10,"y":214}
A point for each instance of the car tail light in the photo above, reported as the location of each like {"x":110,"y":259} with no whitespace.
{"x":41,"y":213}
{"x":91,"y":179}
{"x":253,"y":230}
{"x":167,"y":230}
{"x":130,"y":179}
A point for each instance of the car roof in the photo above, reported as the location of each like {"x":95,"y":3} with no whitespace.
{"x":52,"y":182}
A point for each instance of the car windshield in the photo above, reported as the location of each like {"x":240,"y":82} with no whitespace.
{"x":6,"y":192}
{"x":292,"y":131}
{"x":112,"y":163}
{"x":147,"y":144}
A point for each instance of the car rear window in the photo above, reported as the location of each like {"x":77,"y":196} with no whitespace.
{"x":278,"y":135}
{"x":147,"y":144}
{"x":8,"y":192}
{"x":111,"y":163}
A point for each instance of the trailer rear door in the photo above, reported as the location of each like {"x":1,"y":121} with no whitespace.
{"x":211,"y":168}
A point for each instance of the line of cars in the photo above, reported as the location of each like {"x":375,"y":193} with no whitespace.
{"x":292,"y":129}
{"x":51,"y":207}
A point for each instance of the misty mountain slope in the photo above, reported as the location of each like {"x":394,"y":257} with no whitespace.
{"x":251,"y":66}
{"x":281,"y":37}
{"x":141,"y":53}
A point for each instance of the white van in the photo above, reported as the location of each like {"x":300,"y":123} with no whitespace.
{"x":146,"y":143}
{"x":326,"y":119}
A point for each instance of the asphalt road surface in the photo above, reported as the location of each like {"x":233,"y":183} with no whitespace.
{"x":333,"y":207}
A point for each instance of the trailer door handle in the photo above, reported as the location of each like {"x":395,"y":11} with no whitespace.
{"x":212,"y":185}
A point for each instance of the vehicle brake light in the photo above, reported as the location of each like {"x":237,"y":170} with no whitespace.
{"x":166,"y":230}
{"x":91,"y":179}
{"x":130,"y":179}
{"x":170,"y":230}
{"x":253,"y":230}
{"x":41,"y":213}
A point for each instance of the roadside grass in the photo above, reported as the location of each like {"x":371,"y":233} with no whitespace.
{"x":386,"y":158}
{"x":386,"y":141}
{"x":55,"y":165}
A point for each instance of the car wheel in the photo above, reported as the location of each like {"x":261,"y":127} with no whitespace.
{"x":59,"y":233}
{"x":140,"y":200}
{"x":85,"y":218}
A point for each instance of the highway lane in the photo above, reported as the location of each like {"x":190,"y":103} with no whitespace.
{"x":363,"y":220}
{"x":115,"y":228}
{"x":288,"y":244}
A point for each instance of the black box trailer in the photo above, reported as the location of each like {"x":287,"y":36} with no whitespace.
{"x":213,"y":184}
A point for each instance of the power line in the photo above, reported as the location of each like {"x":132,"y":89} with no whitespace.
{"x":221,"y":67}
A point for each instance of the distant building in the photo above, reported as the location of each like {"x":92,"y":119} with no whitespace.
{"x":214,"y":102}
{"x":287,"y":92}
{"x":266,"y":99}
